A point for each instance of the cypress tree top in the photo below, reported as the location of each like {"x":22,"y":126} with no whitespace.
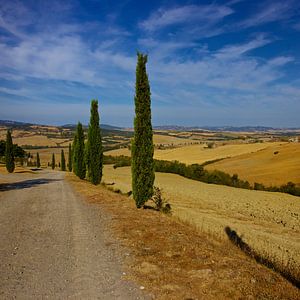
{"x":142,"y":146}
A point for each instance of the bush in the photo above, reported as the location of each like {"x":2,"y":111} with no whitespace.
{"x":160,"y":203}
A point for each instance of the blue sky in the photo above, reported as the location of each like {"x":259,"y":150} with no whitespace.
{"x":234,"y":62}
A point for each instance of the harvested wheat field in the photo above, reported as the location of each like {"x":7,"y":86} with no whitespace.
{"x":274,"y":165}
{"x":161,"y":139}
{"x":200,"y":153}
{"x":268,"y":222}
{"x":46,"y":154}
{"x":173,"y":260}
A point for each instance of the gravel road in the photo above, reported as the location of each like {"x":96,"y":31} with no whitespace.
{"x":54,"y":245}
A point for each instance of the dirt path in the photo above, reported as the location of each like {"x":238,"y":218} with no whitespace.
{"x":54,"y":245}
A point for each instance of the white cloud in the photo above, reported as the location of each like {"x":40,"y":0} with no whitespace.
{"x":185,"y":14}
{"x":271,"y":12}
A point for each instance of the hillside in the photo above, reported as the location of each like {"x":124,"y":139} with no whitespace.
{"x":268,"y":222}
{"x":192,"y":154}
{"x":274,"y":165}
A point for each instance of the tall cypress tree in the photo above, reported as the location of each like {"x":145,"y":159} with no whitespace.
{"x":62,"y":160}
{"x":38,"y":162}
{"x":70,"y":158}
{"x":74,"y":158}
{"x":53,"y":162}
{"x":142,"y":166}
{"x":94,"y":152}
{"x":80,"y":167}
{"x":9,"y":153}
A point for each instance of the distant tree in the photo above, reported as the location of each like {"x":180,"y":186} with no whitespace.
{"x":18,"y":151}
{"x":38,"y":162}
{"x":70,"y":158}
{"x":94,"y":153}
{"x":63,"y":161}
{"x":142,"y":166}
{"x":53,"y":162}
{"x":80,"y":167}
{"x":9,"y":153}
{"x":59,"y":164}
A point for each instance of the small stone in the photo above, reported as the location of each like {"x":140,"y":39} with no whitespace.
{"x":142,"y":287}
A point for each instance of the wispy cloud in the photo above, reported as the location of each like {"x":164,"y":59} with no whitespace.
{"x":270,"y":12}
{"x":188,"y":14}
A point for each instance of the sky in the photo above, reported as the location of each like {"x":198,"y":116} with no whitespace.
{"x":210,"y":63}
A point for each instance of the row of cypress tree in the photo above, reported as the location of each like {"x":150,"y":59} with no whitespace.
{"x":86,"y":160}
{"x":88,"y":157}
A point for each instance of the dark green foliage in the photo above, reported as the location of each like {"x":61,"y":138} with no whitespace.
{"x":18,"y":151}
{"x":38,"y":162}
{"x":74,"y":158}
{"x":53,"y":162}
{"x":62,"y":160}
{"x":79,"y":161}
{"x":94,"y":152}
{"x":142,"y":149}
{"x":70,"y":158}
{"x":9,"y":153}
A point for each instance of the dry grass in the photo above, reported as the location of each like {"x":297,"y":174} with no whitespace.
{"x":46,"y":155}
{"x":172,"y":260}
{"x":268,"y":222}
{"x":199,"y":153}
{"x":18,"y":169}
{"x":264,"y":166}
{"x":170,"y":140}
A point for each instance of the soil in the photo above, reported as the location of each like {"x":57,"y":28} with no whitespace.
{"x":55,"y":245}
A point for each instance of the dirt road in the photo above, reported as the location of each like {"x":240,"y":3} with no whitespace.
{"x":54,"y":245}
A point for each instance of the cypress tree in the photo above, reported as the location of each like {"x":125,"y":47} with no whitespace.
{"x":9,"y":153}
{"x":142,"y":166}
{"x":80,"y":167}
{"x":74,"y":158}
{"x":94,"y":152}
{"x":53,"y":162}
{"x":70,"y":158}
{"x":63,"y":161}
{"x":38,"y":162}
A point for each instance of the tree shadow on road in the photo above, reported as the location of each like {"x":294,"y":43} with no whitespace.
{"x":25,"y":184}
{"x":238,"y":241}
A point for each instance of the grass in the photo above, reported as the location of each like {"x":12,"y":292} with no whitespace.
{"x":274,"y":165}
{"x":174,"y":260}
{"x":268,"y":222}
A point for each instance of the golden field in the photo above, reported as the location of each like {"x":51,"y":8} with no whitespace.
{"x":192,"y":154}
{"x":268,"y":222}
{"x":161,"y":139}
{"x":265,"y":166}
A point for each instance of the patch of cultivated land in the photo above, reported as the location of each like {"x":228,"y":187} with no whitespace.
{"x":268,"y":222}
{"x":174,"y":260}
{"x":200,"y":153}
{"x":46,"y":154}
{"x":170,"y":140}
{"x":274,"y":165}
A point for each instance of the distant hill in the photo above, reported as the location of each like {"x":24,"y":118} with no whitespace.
{"x":223,"y":128}
{"x":17,"y":124}
{"x":24,"y":125}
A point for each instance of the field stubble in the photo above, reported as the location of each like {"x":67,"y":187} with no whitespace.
{"x":268,"y":222}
